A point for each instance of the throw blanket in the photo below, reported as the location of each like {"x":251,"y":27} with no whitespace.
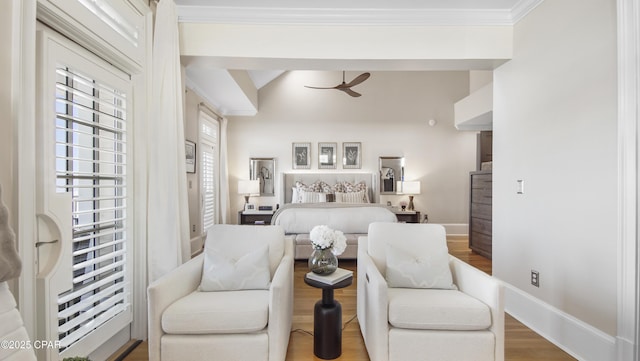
{"x":10,"y":265}
{"x":346,"y":217}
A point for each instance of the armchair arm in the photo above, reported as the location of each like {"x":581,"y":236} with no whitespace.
{"x":487,"y":289}
{"x":373,"y":286}
{"x":281,"y":305}
{"x":165,"y":291}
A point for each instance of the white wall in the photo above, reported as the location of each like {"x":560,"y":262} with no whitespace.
{"x":390,"y":119}
{"x":555,"y":128}
{"x":6,"y":121}
{"x":191,"y":102}
{"x":6,"y":136}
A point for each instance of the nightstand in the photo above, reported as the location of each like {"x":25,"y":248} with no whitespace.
{"x":255,"y":217}
{"x":408,"y":216}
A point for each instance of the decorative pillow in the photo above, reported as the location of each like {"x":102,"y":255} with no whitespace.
{"x":348,"y":187}
{"x":302,"y":187}
{"x":409,"y":270}
{"x":317,"y":186}
{"x":313,"y":197}
{"x":338,"y":187}
{"x":350,"y":197}
{"x":323,"y":186}
{"x":358,"y":187}
{"x":223,"y":273}
{"x":295,"y":195}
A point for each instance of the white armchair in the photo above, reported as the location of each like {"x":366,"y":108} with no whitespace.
{"x":186,"y":323}
{"x":403,"y":315}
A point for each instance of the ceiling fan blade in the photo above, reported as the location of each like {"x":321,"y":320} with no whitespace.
{"x":359,"y":79}
{"x":316,"y":87}
{"x":350,"y":92}
{"x":346,"y":87}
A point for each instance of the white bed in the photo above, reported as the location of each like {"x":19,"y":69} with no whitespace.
{"x":353,"y":219}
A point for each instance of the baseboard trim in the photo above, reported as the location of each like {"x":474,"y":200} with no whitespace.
{"x":196,"y":244}
{"x":572,"y":335}
{"x":457,"y":230}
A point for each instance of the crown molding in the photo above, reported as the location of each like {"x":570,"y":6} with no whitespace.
{"x":522,"y":8}
{"x":353,"y":16}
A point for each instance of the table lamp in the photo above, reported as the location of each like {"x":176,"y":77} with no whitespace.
{"x":409,"y":188}
{"x":248,"y":188}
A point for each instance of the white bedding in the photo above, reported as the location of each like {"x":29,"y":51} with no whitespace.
{"x":348,"y":218}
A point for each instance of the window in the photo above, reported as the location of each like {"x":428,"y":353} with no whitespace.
{"x":91,"y":165}
{"x":209,"y":169}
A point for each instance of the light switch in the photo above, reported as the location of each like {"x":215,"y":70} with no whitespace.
{"x":520,"y":189}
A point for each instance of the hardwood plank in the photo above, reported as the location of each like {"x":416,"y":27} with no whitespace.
{"x":521,"y":343}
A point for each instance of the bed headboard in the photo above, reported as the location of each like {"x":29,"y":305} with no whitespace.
{"x":289,"y":181}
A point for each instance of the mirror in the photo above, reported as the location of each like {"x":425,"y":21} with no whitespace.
{"x":391,"y":171}
{"x":264,"y":170}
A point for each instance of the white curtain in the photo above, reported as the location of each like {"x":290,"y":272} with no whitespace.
{"x":167,"y":205}
{"x":224,"y":206}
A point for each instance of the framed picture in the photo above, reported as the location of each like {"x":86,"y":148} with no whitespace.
{"x":351,"y":155}
{"x":301,"y":155}
{"x":327,"y":155}
{"x":190,"y":155}
{"x":264,"y":170}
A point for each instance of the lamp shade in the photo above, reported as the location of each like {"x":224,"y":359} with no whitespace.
{"x":249,"y":187}
{"x":409,"y":187}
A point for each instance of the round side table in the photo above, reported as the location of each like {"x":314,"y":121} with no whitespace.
{"x":327,"y":320}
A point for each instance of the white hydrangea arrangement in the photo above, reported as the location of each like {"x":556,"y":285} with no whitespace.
{"x":323,"y":237}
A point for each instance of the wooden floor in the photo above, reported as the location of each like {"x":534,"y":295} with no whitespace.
{"x":521,"y":344}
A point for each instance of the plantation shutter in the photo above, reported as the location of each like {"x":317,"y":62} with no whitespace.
{"x":209,"y":144}
{"x":91,"y":163}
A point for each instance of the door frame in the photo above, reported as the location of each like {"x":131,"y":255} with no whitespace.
{"x":24,"y":23}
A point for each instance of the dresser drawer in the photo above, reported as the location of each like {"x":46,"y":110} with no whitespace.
{"x":480,"y":243}
{"x":479,"y":225}
{"x":479,"y":210}
{"x":481,"y":195}
{"x":483,"y":180}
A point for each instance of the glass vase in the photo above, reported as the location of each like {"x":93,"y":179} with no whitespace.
{"x":323,"y":262}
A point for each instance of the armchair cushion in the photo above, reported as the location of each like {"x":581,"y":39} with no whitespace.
{"x":223,"y":272}
{"x":430,"y":269}
{"x":425,"y":309}
{"x":218,"y":312}
{"x":237,"y":241}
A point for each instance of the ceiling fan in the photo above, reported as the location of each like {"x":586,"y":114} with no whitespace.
{"x":346,"y":87}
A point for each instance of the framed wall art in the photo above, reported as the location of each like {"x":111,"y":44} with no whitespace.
{"x":327,"y":156}
{"x":351,"y":155}
{"x":190,"y":156}
{"x":263,"y":169}
{"x":301,"y":155}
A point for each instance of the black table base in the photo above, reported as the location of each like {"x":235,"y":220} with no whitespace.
{"x":327,"y":330}
{"x":327,"y":320}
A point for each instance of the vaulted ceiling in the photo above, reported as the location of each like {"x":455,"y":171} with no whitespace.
{"x":231,"y":84}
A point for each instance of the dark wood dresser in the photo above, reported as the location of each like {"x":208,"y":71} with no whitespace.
{"x":255,"y":218}
{"x":480,"y":213}
{"x":408,"y":216}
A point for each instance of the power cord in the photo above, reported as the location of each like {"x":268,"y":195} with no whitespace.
{"x":300,"y":330}
{"x":349,"y":321}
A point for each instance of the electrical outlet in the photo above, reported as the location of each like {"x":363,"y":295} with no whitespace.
{"x":535,"y":278}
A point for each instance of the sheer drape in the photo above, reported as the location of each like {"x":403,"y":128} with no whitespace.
{"x":225,"y":208}
{"x":167,"y":206}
